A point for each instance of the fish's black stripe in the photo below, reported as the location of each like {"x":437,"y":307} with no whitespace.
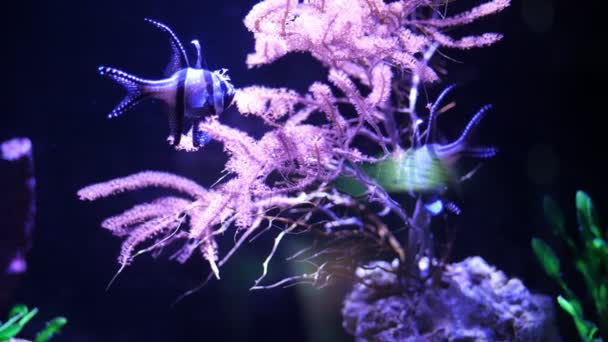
{"x":223,"y":87}
{"x":209,"y":88}
{"x":218,"y":97}
{"x":178,"y":113}
{"x":224,"y":91}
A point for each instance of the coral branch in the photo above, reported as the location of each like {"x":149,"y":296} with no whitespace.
{"x":488,"y":8}
{"x":142,"y":180}
{"x":377,"y":55}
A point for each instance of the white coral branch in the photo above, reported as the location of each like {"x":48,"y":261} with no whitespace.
{"x":142,"y":180}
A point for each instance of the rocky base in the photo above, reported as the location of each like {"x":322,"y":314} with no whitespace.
{"x":475,"y":302}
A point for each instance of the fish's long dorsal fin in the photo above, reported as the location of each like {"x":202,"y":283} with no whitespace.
{"x":462,"y":145}
{"x":430,"y":131}
{"x":201,"y":63}
{"x":466,"y":133}
{"x":179,"y":59}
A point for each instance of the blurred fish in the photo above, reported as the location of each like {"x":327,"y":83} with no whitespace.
{"x":430,"y":167}
{"x":427,"y":169}
{"x":190,"y":93}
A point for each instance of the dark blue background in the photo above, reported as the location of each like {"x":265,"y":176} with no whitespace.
{"x":545,"y":79}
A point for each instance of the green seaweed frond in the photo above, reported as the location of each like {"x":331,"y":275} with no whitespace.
{"x":590,"y":260}
{"x":52,"y":327}
{"x":19,"y":316}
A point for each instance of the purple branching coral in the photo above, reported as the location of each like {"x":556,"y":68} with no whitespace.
{"x":286,"y":178}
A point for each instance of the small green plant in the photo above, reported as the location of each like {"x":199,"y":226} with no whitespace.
{"x":590,"y":254}
{"x":19,"y":316}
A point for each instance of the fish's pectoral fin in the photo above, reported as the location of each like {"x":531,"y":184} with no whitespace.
{"x":430,"y":131}
{"x":179,"y":59}
{"x":191,"y":137}
{"x":438,"y":205}
{"x":434,"y":207}
{"x":199,"y":137}
{"x":203,"y":138}
{"x":135,"y":86}
{"x":176,"y":127}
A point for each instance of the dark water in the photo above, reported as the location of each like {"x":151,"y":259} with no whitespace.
{"x":546,"y":81}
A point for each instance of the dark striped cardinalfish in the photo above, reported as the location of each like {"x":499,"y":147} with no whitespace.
{"x":190,"y":93}
{"x":428,"y":168}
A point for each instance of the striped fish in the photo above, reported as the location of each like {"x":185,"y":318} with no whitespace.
{"x":190,"y":92}
{"x":427,"y":169}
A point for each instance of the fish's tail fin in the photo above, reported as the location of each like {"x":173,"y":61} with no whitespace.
{"x":135,"y":86}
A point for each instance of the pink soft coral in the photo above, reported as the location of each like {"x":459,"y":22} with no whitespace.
{"x":286,"y":176}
